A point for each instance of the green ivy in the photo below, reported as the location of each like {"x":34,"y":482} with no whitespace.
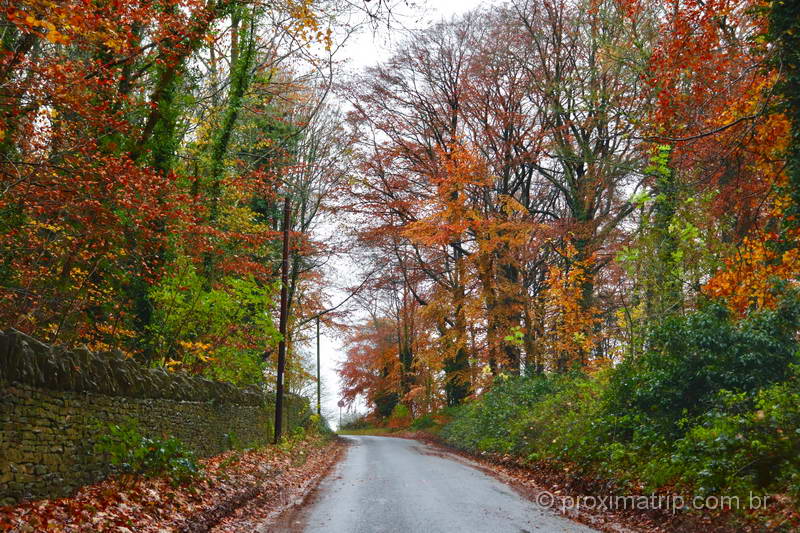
{"x":784,"y":33}
{"x":233,"y":318}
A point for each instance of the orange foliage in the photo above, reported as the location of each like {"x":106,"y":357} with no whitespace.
{"x":572,"y":327}
{"x":372,"y":368}
{"x":749,"y":278}
{"x":713,"y":89}
{"x":450,"y":214}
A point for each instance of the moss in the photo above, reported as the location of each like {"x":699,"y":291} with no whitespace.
{"x":58,"y":402}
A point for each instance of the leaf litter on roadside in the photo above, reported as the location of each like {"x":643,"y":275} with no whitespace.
{"x":153,"y":505}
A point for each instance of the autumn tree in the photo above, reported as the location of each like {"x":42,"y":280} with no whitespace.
{"x":401,"y":173}
{"x":141,"y":148}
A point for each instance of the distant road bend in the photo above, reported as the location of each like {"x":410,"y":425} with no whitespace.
{"x":397,"y":485}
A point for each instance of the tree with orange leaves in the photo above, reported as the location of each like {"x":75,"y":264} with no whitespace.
{"x":571,"y":328}
{"x":717,"y":146}
{"x":372,"y":368}
{"x":142,"y":147}
{"x":722,"y":122}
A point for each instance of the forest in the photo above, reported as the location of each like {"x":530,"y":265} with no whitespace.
{"x":571,"y":228}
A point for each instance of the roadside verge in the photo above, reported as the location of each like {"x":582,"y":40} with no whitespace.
{"x":238,"y":490}
{"x":558,"y":488}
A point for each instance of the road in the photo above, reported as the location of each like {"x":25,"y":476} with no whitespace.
{"x":389,"y":484}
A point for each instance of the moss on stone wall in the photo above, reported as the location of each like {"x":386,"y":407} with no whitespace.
{"x":55,"y":403}
{"x":26,"y":360}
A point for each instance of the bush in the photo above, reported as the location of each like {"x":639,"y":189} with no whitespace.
{"x":423,"y":422}
{"x":562,"y":425}
{"x":489,"y":424}
{"x":319,"y":425}
{"x":400,"y":417}
{"x":691,"y":358}
{"x":133,"y":453}
{"x":713,"y":406}
{"x":735,"y":447}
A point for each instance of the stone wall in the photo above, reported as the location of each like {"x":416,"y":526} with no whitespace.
{"x":54,"y":403}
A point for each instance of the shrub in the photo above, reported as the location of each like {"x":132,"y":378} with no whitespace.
{"x":400,"y":417}
{"x":562,"y":425}
{"x":736,"y":447}
{"x":133,"y":453}
{"x":712,"y":406}
{"x":691,"y":358}
{"x":423,"y":422}
{"x":486,"y":424}
{"x":319,"y":425}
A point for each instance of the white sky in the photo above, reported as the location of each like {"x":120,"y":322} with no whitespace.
{"x":368,"y":48}
{"x":363,"y":50}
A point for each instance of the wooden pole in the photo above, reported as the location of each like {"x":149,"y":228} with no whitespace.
{"x":283,"y":321}
{"x":319,"y":379}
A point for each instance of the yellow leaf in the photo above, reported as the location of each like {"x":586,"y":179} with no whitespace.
{"x":55,"y":37}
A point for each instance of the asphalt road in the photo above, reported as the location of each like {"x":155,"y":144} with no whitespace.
{"x":388,"y":484}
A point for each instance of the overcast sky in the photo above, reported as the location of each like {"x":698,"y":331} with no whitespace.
{"x":363,"y":50}
{"x":369,"y":47}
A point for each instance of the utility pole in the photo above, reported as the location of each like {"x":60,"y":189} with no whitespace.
{"x":319,"y":380}
{"x":287,"y":208}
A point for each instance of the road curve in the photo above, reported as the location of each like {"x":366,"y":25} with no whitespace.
{"x":387,"y":484}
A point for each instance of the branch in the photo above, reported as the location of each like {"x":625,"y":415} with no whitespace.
{"x":337,"y":306}
{"x":699,"y":135}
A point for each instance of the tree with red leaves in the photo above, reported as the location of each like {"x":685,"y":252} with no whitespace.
{"x":142,"y":150}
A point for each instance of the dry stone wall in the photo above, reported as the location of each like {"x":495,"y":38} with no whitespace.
{"x":54,"y":403}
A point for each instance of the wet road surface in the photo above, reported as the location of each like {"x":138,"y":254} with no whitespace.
{"x":398,"y":485}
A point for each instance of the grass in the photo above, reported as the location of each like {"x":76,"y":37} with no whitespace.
{"x":368,"y":431}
